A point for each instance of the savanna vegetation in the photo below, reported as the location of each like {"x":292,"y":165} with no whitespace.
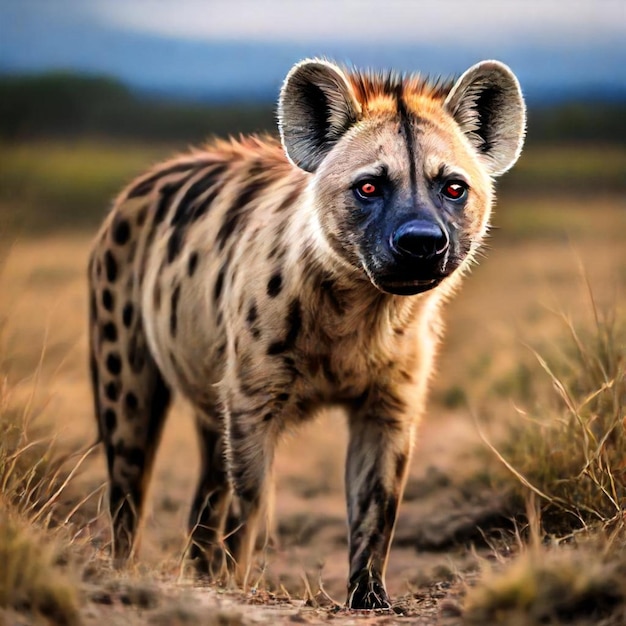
{"x":514,"y":508}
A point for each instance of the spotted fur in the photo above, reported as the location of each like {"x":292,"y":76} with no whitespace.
{"x":264,"y":282}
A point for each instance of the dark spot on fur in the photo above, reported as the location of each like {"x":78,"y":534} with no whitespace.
{"x":131,"y":401}
{"x":277,"y":252}
{"x":276,"y":347}
{"x":294,"y":322}
{"x":400,"y":465}
{"x":289,"y":199}
{"x":282,"y":397}
{"x":360,"y":400}
{"x":127,"y":314}
{"x":167,"y":194}
{"x":327,"y":369}
{"x":290,"y":367}
{"x":112,"y":391}
{"x":267,"y":417}
{"x":110,"y":420}
{"x":136,"y":352}
{"x":174,"y":244}
{"x":114,"y":363}
{"x":141,"y":216}
{"x":237,"y":213}
{"x":174,"y":310}
{"x":330,"y":293}
{"x":275,"y":285}
{"x":159,"y":403}
{"x":121,"y":230}
{"x":144,"y":187}
{"x":192,"y":263}
{"x":111,"y":266}
{"x":390,"y":511}
{"x":109,"y":331}
{"x":219,"y":284}
{"x":253,"y":314}
{"x":189,"y":210}
{"x":107,"y":300}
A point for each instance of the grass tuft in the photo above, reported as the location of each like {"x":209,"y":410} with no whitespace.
{"x":34,"y":564}
{"x":568,"y":447}
{"x":564,"y":584}
{"x":30,"y":577}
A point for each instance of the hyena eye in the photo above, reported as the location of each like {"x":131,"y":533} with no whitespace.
{"x":455,"y":190}
{"x":369,"y":188}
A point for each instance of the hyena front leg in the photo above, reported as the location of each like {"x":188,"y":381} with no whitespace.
{"x":251,"y":436}
{"x":212,"y":500}
{"x":381,"y":439}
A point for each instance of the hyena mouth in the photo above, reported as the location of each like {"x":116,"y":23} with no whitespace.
{"x":408,"y":287}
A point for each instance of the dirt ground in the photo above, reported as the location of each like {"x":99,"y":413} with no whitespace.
{"x":439,"y":545}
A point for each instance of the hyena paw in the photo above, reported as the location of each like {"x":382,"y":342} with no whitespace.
{"x":366,"y":592}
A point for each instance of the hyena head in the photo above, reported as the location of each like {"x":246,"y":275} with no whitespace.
{"x":401,"y":168}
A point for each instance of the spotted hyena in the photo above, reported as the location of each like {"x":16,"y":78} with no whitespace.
{"x":264,"y":282}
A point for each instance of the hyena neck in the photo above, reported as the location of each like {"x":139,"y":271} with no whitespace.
{"x":342,"y":295}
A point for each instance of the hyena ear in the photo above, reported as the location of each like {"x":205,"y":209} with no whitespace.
{"x":316,"y":107}
{"x":487,"y":104}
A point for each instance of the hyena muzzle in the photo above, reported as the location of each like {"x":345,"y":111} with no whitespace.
{"x":264,"y":282}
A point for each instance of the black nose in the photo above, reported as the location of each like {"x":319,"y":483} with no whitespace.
{"x":419,"y":239}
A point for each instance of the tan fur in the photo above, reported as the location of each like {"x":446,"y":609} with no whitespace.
{"x":263,"y":287}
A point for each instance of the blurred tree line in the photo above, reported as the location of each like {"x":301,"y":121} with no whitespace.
{"x":58,"y":105}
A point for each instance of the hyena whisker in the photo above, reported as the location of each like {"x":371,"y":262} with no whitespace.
{"x":266,"y":280}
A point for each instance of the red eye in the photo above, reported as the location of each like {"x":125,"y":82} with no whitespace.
{"x":368,"y":189}
{"x":455,"y":190}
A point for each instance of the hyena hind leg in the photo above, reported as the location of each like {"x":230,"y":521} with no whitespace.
{"x":132,"y":400}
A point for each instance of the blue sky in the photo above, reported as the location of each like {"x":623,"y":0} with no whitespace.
{"x":244,"y":47}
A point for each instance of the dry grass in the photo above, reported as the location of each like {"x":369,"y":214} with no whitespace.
{"x":568,"y":446}
{"x":33,"y":580}
{"x":566,"y":451}
{"x":584,"y":584}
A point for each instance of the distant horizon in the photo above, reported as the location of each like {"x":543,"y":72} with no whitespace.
{"x":241,"y":50}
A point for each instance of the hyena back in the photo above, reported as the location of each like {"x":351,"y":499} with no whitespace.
{"x":264,"y":282}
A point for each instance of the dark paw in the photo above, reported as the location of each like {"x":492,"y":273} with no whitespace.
{"x":367,"y":593}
